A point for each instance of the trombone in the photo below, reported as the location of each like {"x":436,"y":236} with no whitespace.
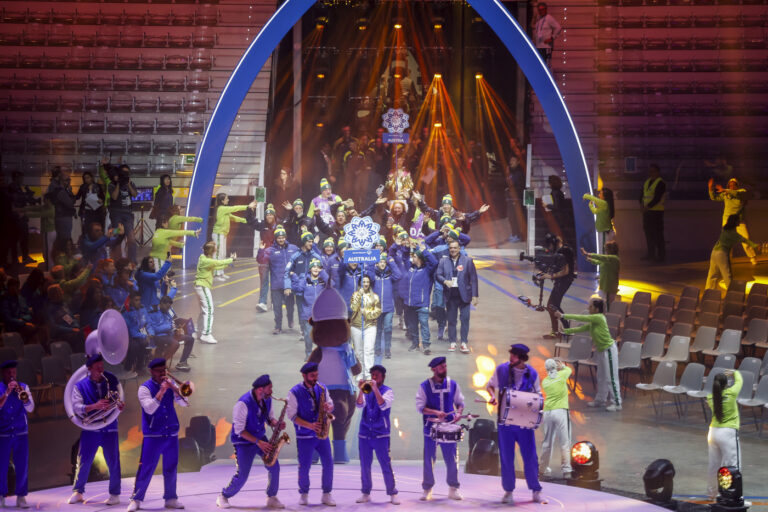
{"x":186,"y":388}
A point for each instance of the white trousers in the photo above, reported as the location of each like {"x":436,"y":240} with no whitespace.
{"x":608,"y":384}
{"x":221,"y":251}
{"x":724,"y":450}
{"x":364,"y":342}
{"x":556,"y":425}
{"x":206,"y":309}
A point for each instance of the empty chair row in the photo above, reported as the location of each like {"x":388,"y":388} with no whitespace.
{"x":141,"y":164}
{"x":680,"y":87}
{"x":649,"y":127}
{"x":655,"y":43}
{"x":203,"y":16}
{"x":722,"y":20}
{"x":102,"y":146}
{"x":86,"y":59}
{"x":125,"y":103}
{"x":668,"y":107}
{"x":165,"y":125}
{"x":180,"y":2}
{"x":650,"y":64}
{"x":76,"y":82}
{"x":685,"y":3}
{"x":201,"y":38}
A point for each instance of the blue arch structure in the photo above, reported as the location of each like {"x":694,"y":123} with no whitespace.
{"x":289,"y":13}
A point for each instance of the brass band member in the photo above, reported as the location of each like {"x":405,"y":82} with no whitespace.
{"x":15,"y":403}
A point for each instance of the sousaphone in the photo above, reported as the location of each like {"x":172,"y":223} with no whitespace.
{"x":111,"y":340}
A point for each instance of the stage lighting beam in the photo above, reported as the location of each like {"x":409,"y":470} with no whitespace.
{"x":478,"y":76}
{"x":729,"y":487}
{"x":438,"y":76}
{"x":585,"y":461}
{"x":398,"y":26}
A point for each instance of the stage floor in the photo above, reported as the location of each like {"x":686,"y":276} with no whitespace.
{"x":198,"y":491}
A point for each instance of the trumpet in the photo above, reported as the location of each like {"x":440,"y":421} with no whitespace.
{"x":22,"y":393}
{"x":186,"y":388}
{"x":366,"y":387}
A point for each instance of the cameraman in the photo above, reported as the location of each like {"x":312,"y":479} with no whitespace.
{"x":562,"y":280}
{"x":121,"y":189}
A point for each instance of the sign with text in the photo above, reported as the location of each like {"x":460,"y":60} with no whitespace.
{"x":395,"y":138}
{"x":361,"y":256}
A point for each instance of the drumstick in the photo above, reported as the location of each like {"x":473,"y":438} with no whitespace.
{"x":481,"y":401}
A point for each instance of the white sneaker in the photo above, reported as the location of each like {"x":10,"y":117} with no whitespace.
{"x":364,"y":498}
{"x":219,"y":278}
{"x":464,"y":348}
{"x":262,"y":307}
{"x":507,"y":498}
{"x":394,"y":499}
{"x":327,"y":500}
{"x":613,"y":408}
{"x":174,"y":503}
{"x":133,"y":506}
{"x":454,"y":494}
{"x":226,"y":277}
{"x":274,"y":503}
{"x":114,"y":499}
{"x":538,"y":498}
{"x":222,"y":501}
{"x":452,"y":348}
{"x":426,"y":495}
{"x":304,"y":499}
{"x":76,"y":498}
{"x":208,"y":338}
{"x":595,"y":404}
{"x":21,"y":502}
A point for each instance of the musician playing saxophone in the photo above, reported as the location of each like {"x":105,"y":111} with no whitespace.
{"x":306,"y":407}
{"x":374,"y":433}
{"x":160,"y":426}
{"x":250,"y":415}
{"x":97,"y":392}
{"x":519,"y":375}
{"x":13,"y":432}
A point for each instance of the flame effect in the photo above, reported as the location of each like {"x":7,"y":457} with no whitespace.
{"x":485,"y":366}
{"x":223,"y":428}
{"x":132,"y":440}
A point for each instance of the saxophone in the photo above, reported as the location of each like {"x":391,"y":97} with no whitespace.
{"x":277,"y":440}
{"x":324,"y":418}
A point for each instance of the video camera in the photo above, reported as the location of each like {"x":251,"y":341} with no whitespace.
{"x":546,"y":262}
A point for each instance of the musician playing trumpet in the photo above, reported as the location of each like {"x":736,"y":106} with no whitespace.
{"x":375,"y":400}
{"x":160,"y":427}
{"x":308,"y":402}
{"x":519,"y":375}
{"x":15,"y":403}
{"x":250,"y":415}
{"x":96,"y":394}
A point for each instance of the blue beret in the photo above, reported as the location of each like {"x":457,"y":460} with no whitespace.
{"x":436,"y":361}
{"x":158,"y":361}
{"x":262,"y":381}
{"x":94,"y":358}
{"x":11,"y":363}
{"x":519,"y":348}
{"x":309,"y":368}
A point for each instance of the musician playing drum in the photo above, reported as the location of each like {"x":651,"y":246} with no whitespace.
{"x":304,"y":409}
{"x":249,"y":436}
{"x":13,"y":432}
{"x":160,"y":427}
{"x":518,"y":375}
{"x":439,"y":398}
{"x":96,"y":393}
{"x":374,"y":433}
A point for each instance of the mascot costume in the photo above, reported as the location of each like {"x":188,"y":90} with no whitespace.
{"x":337,"y":363}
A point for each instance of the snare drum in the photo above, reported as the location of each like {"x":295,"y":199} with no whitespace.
{"x":446,"y":433}
{"x":521,"y":409}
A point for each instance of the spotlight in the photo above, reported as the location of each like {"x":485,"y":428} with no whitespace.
{"x":478,"y":76}
{"x":729,"y":497}
{"x":437,"y":22}
{"x":321,"y":22}
{"x":585,"y":461}
{"x":362,"y":24}
{"x":319,"y":124}
{"x":320,"y":76}
{"x":658,"y":479}
{"x":398,"y":26}
{"x":437,"y":125}
{"x":438,"y":76}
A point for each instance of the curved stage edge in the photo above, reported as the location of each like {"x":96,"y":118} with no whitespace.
{"x":198,"y":491}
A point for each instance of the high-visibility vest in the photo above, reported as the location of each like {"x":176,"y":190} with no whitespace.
{"x":649,"y":190}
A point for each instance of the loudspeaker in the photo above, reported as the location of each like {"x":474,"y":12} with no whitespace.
{"x":190,"y":456}
{"x":483,"y":458}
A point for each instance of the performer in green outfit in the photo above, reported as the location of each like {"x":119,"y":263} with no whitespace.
{"x":609,"y":270}
{"x":225,"y":214}
{"x":206,"y":266}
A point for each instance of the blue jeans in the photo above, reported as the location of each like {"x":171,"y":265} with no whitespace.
{"x":89,"y":444}
{"x":450,"y":457}
{"x":263,"y":283}
{"x":299,"y":300}
{"x":278,"y":299}
{"x":307,"y":333}
{"x":18,"y":446}
{"x":526,"y":439}
{"x":244,"y":454}
{"x":306,"y":447}
{"x":384,"y":333}
{"x":457,"y":308}
{"x":151,"y":449}
{"x":417,"y":319}
{"x":380,"y":446}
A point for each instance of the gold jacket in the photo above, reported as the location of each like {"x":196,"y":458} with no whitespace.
{"x":371,"y":308}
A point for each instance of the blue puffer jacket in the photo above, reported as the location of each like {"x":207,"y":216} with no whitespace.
{"x":277,"y":258}
{"x":416,"y":285}
{"x":349,"y":280}
{"x":136,"y":319}
{"x":332,"y":264}
{"x":149,"y":285}
{"x":385,"y":283}
{"x":309,"y":289}
{"x":435,"y":238}
{"x":299,"y":265}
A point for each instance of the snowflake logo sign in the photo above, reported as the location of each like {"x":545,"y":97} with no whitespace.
{"x":395,"y":120}
{"x":361,"y":233}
